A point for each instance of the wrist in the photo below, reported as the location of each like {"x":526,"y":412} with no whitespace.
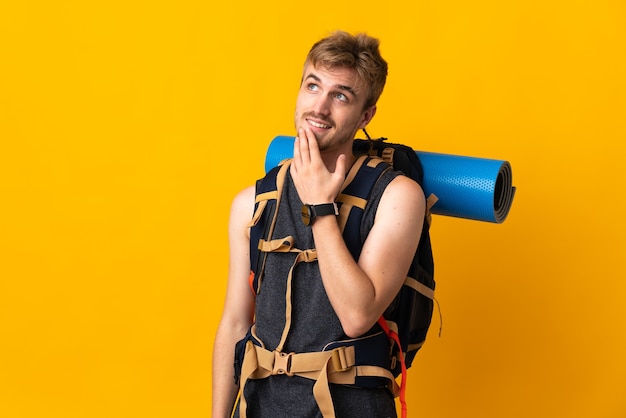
{"x":311,"y":212}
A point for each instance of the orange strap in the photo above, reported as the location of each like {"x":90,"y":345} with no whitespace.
{"x":251,"y":282}
{"x":394,"y":335}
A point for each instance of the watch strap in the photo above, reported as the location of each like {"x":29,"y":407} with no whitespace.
{"x":311,"y":212}
{"x":324,"y":209}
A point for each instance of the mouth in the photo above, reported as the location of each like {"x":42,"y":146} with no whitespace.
{"x":318,"y":125}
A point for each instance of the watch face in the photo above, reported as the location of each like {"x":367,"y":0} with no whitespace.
{"x":306,"y":214}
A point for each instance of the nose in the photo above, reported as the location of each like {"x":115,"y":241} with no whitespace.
{"x":321,"y":106}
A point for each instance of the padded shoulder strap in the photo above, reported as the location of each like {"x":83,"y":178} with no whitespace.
{"x":268,"y":194}
{"x":354,"y":196}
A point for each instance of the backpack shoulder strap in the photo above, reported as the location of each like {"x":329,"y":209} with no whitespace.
{"x":267,"y":198}
{"x":353,"y":198}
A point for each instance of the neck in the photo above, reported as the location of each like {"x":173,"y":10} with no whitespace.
{"x":330,"y":159}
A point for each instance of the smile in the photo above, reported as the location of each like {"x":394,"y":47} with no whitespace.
{"x":318,"y":124}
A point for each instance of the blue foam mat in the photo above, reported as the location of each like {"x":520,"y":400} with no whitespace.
{"x":467,"y":187}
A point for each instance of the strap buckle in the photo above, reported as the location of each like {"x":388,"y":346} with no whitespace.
{"x":339,"y":360}
{"x":282,"y":363}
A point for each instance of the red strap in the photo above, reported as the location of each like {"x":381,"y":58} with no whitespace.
{"x":396,"y":338}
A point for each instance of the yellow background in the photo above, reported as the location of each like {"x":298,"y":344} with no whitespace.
{"x":126,"y":127}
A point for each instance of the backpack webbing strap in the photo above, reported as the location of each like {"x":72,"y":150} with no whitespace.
{"x":334,"y":366}
{"x":430,"y":202}
{"x":262,"y":200}
{"x":306,"y":256}
{"x":387,"y":154}
{"x":285,"y":245}
{"x":347,"y":201}
{"x":420,"y":287}
{"x":280,"y":245}
{"x":355,"y":195}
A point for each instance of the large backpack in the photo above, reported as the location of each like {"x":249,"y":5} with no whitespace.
{"x":407,"y":320}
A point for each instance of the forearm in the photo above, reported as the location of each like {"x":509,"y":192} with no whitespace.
{"x":238,"y":311}
{"x":361,"y":291}
{"x":350,"y":290}
{"x":223,"y":385}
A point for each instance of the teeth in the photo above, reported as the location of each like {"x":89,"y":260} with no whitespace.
{"x":319,"y":125}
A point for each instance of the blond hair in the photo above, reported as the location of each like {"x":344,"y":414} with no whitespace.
{"x":359,"y":52}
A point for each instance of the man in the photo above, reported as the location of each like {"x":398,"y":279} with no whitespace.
{"x":333,"y":298}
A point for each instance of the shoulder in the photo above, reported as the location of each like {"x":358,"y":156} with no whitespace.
{"x":402,"y":192}
{"x":402,"y":183}
{"x":244,"y":197}
{"x":242,"y":208}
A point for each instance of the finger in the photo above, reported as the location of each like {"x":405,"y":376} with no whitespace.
{"x":314,"y":148}
{"x":304,"y":141}
{"x":296,"y":153}
{"x":296,"y":149}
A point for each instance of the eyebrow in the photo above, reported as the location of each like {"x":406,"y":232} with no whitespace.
{"x":339,"y":86}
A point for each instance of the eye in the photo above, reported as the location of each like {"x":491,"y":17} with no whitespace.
{"x":312,"y":87}
{"x":341,"y":97}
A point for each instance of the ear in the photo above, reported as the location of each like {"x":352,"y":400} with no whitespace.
{"x":367,"y":116}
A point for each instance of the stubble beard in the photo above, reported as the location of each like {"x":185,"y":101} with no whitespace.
{"x":328,"y":143}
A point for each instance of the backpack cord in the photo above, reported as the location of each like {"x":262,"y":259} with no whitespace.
{"x":394,"y":335}
{"x":440,"y":316}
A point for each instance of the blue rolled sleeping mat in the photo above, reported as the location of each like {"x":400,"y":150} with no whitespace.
{"x":473,"y":188}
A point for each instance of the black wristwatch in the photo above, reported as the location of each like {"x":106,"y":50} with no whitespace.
{"x":310,"y":212}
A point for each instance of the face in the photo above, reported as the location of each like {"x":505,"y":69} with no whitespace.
{"x":330,"y":103}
